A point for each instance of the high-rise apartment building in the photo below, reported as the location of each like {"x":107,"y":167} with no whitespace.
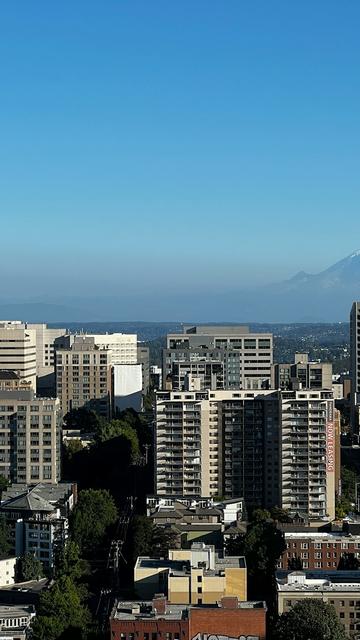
{"x":270,"y":447}
{"x":224,"y":443}
{"x":241,"y":360}
{"x":30,"y":437}
{"x":18,"y":350}
{"x":355,"y":365}
{"x":303,"y":374}
{"x":84,"y":376}
{"x":308,"y":453}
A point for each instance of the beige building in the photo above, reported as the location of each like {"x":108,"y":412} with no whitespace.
{"x":123,"y":346}
{"x":30,"y":434}
{"x":303,"y":374}
{"x":211,"y":443}
{"x":84,"y":376}
{"x":193,"y":576}
{"x":308,"y":453}
{"x":18,"y":350}
{"x":231,"y":357}
{"x":7,"y":570}
{"x":340,"y":589}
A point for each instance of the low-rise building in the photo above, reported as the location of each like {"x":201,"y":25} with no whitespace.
{"x":227,"y":619}
{"x":7,"y":570}
{"x":15,"y":621}
{"x":38,"y":518}
{"x":340,"y":589}
{"x":192,"y":576}
{"x":319,"y":550}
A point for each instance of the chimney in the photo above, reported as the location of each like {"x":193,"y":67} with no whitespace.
{"x":229,"y":602}
{"x":159,"y":603}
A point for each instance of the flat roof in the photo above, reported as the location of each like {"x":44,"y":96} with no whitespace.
{"x":143,"y":610}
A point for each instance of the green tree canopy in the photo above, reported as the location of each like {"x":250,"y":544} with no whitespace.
{"x":84,"y":419}
{"x":4,"y":537}
{"x":149,"y":539}
{"x":60,"y":611}
{"x":69,"y":563}
{"x":29,"y":568}
{"x":310,"y":620}
{"x":94,"y":513}
{"x":117,"y":428}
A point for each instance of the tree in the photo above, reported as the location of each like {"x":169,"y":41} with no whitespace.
{"x":4,"y":537}
{"x":69,"y":563}
{"x":84,"y":419}
{"x":60,"y":612}
{"x":4,"y":483}
{"x":117,"y":428}
{"x":149,"y":539}
{"x":29,"y":568}
{"x":92,"y":516}
{"x":348,"y":562}
{"x":262,"y":545}
{"x":280,"y":515}
{"x":310,"y":620}
{"x":295,"y":564}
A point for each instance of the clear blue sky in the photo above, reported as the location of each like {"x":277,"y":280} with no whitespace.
{"x":188,"y":143}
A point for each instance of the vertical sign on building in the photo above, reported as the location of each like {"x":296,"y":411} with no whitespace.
{"x":330,"y":437}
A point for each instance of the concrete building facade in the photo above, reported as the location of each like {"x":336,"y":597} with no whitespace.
{"x":18,"y":350}
{"x":303,"y":374}
{"x":30,"y":437}
{"x":84,"y":376}
{"x":308,"y":453}
{"x":212,"y":443}
{"x":243,"y":359}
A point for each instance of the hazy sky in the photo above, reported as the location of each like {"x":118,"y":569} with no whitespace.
{"x":187,"y":143}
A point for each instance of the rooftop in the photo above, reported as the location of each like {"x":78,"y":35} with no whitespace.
{"x":144,"y":610}
{"x":39,"y":497}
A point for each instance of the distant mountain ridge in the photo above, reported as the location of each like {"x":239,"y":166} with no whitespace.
{"x":323,"y":297}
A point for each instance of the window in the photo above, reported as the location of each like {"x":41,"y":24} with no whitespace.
{"x":199,"y":590}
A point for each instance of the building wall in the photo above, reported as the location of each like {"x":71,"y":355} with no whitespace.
{"x":30,"y":434}
{"x":18,"y":351}
{"x":84,"y":377}
{"x":318,"y":552}
{"x":127,"y":386}
{"x":246,"y":357}
{"x":247,"y":623}
{"x":308,"y":453}
{"x":7,"y":571}
{"x":123,"y":346}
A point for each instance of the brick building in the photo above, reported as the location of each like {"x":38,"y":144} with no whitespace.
{"x":318,"y":550}
{"x":157,"y":620}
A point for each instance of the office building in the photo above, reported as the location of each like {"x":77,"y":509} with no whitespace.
{"x":229,"y":618}
{"x":191,"y":576}
{"x":303,"y":374}
{"x":45,"y":356}
{"x":18,"y":350}
{"x":319,"y":550}
{"x":38,"y":518}
{"x":212,"y":443}
{"x":123,"y":346}
{"x":155,"y":377}
{"x":340,"y":589}
{"x":307,"y":455}
{"x":30,"y":434}
{"x":355,"y":366}
{"x":84,"y":376}
{"x":242,"y":360}
{"x":10,"y":380}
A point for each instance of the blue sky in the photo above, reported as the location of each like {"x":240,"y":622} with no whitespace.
{"x":176,"y":143}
